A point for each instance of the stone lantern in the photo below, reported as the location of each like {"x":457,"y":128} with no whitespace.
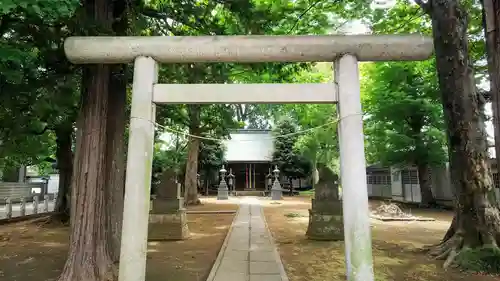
{"x":276,"y":191}
{"x":222,"y":191}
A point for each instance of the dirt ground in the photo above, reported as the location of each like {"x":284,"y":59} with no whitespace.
{"x":396,"y":246}
{"x":31,"y":251}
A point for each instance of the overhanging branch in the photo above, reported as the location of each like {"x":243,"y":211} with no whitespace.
{"x":426,"y":6}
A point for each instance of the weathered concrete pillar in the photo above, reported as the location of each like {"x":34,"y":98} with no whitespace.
{"x":222,"y":191}
{"x":46,"y":203}
{"x":325,"y":216}
{"x":276,"y":191}
{"x":22,"y":207}
{"x":167,"y":220}
{"x":35,"y":202}
{"x":357,"y":234}
{"x":134,"y":241}
{"x":8,"y":208}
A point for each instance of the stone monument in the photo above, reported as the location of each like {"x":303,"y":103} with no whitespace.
{"x":325,"y":216}
{"x":222,"y":191}
{"x":167,"y":219}
{"x":276,"y":191}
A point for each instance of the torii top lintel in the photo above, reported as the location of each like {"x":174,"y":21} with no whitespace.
{"x":253,"y":48}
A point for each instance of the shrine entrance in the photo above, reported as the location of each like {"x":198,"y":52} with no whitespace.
{"x":344,"y":51}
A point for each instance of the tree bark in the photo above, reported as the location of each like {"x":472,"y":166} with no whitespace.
{"x":89,"y":257}
{"x":491,"y":25}
{"x":115,"y":141}
{"x":477,"y":221}
{"x":64,"y":156}
{"x":115,"y":157}
{"x":424,"y":181}
{"x":190,"y":177}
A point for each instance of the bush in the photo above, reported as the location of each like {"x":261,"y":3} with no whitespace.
{"x":485,"y":259}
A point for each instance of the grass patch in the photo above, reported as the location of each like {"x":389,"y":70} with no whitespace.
{"x":294,"y":215}
{"x":483,"y":260}
{"x":307,"y":193}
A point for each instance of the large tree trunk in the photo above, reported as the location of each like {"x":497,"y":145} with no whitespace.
{"x":491,"y":24}
{"x":115,"y":157}
{"x":191,"y":175}
{"x":477,"y":221}
{"x":424,"y":180}
{"x":89,"y":257}
{"x":115,"y":149}
{"x":64,"y":156}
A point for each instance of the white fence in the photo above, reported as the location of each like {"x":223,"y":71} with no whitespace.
{"x":19,"y":199}
{"x":20,"y":206}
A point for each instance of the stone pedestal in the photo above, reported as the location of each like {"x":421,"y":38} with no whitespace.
{"x":276,"y":194}
{"x":326,"y":221}
{"x":325,"y":216}
{"x":276,"y":191}
{"x":167,"y":219}
{"x":173,"y":226}
{"x":223,"y":191}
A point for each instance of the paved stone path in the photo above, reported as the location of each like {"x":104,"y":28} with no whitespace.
{"x":248,"y":253}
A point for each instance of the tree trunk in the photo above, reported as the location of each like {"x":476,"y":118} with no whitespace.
{"x":89,"y":257}
{"x":191,"y":175}
{"x":424,"y":180}
{"x":477,"y":221}
{"x":491,"y":24}
{"x":115,"y":157}
{"x":64,"y":156}
{"x":115,"y":149}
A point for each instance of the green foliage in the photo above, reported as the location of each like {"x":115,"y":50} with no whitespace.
{"x":290,"y":163}
{"x":37,"y":91}
{"x":404,"y":119}
{"x":168,"y":156}
{"x":211,"y":156}
{"x":482,"y":260}
{"x":318,"y":143}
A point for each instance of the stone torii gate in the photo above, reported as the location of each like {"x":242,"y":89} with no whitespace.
{"x":344,"y":51}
